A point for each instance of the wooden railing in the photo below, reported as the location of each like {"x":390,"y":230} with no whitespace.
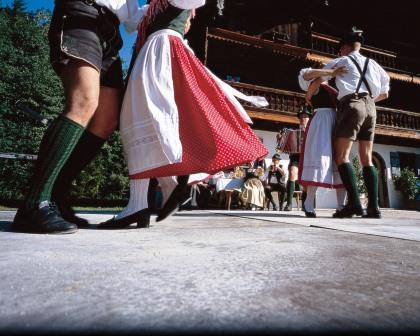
{"x":397,"y":118}
{"x":289,"y":103}
{"x":328,"y":45}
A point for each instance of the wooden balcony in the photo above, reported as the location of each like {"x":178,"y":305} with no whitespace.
{"x":284,"y":105}
{"x":323,"y":49}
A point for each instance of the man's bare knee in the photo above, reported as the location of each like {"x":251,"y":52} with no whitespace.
{"x":366,"y":160}
{"x":82,"y":107}
{"x":81,"y":85}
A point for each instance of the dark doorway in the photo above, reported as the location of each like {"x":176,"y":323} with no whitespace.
{"x":379,"y":163}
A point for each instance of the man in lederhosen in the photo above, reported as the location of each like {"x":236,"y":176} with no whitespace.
{"x":84,"y":42}
{"x":365,"y":83}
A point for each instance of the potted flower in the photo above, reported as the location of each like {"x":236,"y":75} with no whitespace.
{"x":408,"y":184}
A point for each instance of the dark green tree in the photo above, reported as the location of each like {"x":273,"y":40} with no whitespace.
{"x":18,"y":7}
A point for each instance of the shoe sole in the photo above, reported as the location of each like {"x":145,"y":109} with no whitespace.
{"x":48,"y":233}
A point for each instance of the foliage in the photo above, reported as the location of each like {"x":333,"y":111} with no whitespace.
{"x":407,"y":183}
{"x":359,"y":175}
{"x":26,"y":76}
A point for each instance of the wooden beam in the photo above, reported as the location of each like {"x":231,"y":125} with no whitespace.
{"x":397,"y":133}
{"x":273,"y":117}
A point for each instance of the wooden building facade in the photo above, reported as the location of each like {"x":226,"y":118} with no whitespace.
{"x":261,"y":51}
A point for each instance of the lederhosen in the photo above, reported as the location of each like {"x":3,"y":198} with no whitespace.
{"x":356,"y":117}
{"x":81,"y":29}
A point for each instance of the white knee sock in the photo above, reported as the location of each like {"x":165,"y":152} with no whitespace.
{"x":341,"y":197}
{"x":167,"y":185}
{"x":138,"y":198}
{"x":310,"y":198}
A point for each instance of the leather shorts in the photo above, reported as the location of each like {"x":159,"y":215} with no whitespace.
{"x":82,"y":30}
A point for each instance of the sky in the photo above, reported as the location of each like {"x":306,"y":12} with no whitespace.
{"x":128,"y":39}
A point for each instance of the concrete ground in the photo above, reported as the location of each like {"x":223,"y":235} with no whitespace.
{"x":216,"y":271}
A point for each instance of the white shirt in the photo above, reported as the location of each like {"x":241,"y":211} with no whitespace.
{"x":130,"y":13}
{"x":376,"y":76}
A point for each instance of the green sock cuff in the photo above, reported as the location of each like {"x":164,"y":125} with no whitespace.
{"x":348,"y":177}
{"x":56,"y":147}
{"x":91,"y":139}
{"x":84,"y":152}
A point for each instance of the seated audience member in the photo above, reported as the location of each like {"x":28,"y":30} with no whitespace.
{"x":252,"y":193}
{"x":275,"y":181}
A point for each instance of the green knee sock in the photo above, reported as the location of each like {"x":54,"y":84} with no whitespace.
{"x":290,"y":191}
{"x":56,"y":147}
{"x":84,"y":152}
{"x":370,"y":175}
{"x":349,"y":181}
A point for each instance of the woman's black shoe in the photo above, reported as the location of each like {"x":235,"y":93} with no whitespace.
{"x":310,"y":214}
{"x":142,"y":218}
{"x":175,"y":200}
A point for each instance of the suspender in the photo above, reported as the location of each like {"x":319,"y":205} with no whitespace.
{"x":362,"y":75}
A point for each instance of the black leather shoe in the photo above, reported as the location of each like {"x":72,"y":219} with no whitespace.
{"x":349,"y":211}
{"x":372,"y":213}
{"x":287,"y":208}
{"x":69,"y":215}
{"x":142,"y":218}
{"x":310,"y":214}
{"x":175,"y":200}
{"x":45,"y":219}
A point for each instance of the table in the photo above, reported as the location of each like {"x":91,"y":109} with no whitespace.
{"x":227,"y":186}
{"x":227,"y":183}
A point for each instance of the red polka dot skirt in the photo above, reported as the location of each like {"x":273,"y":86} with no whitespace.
{"x":214,"y":136}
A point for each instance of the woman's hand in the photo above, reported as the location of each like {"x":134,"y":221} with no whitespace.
{"x":339,"y":71}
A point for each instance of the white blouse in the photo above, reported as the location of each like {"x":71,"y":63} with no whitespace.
{"x":130,"y":13}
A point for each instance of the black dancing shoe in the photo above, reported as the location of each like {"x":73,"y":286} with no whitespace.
{"x":310,"y":214}
{"x":44,"y":219}
{"x":69,"y":215}
{"x":349,"y":211}
{"x":175,"y":200}
{"x":142,"y":218}
{"x":287,"y":208}
{"x":372,"y":213}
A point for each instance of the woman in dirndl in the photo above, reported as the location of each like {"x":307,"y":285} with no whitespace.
{"x":177,"y":117}
{"x":317,"y":167}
